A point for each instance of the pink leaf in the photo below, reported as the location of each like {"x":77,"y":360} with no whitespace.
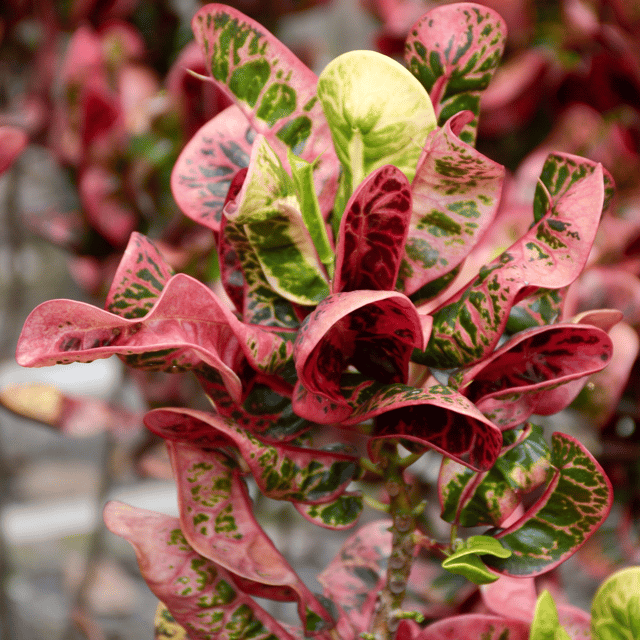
{"x":456,"y":192}
{"x":204,"y":170}
{"x":551,"y":254}
{"x":437,"y":417}
{"x":476,"y":626}
{"x":524,"y":375}
{"x":187,"y":328}
{"x":372,"y":233}
{"x":202,"y":596}
{"x":141,"y":276}
{"x":217,"y":519}
{"x":454,"y":50}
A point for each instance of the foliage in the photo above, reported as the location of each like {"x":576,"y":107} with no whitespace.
{"x":342,"y":344}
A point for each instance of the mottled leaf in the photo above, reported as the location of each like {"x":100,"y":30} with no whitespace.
{"x":354,"y":577}
{"x":187,"y":328}
{"x":205,"y":168}
{"x":433,"y":418}
{"x":476,"y":626}
{"x":575,"y":503}
{"x":374,"y":331}
{"x":202,"y":596}
{"x":551,"y":254}
{"x":142,"y":274}
{"x":260,"y":304}
{"x":166,"y":627}
{"x":543,"y":308}
{"x":470,"y":499}
{"x":274,"y":89}
{"x":281,"y":471}
{"x":341,"y":513}
{"x":456,"y":192}
{"x":268,"y":209}
{"x":615,"y":610}
{"x":378,"y":114}
{"x":522,"y":376}
{"x":372,"y":232}
{"x":454,"y":50}
{"x":216,"y":518}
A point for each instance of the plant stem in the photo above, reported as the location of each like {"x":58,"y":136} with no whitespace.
{"x":385,"y":620}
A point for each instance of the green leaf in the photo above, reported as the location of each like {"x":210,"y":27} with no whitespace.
{"x":341,"y":513}
{"x":465,"y":561}
{"x":378,"y":114}
{"x":268,"y":208}
{"x":546,"y":625}
{"x":302,"y":173}
{"x":615,"y":610}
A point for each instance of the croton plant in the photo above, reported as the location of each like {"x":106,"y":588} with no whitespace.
{"x":345,"y":339}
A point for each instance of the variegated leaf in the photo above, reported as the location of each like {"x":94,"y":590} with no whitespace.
{"x":187,"y":328}
{"x":375,"y":331}
{"x":268,"y":209}
{"x":523,"y":376}
{"x":141,"y":276}
{"x":355,"y":576}
{"x":341,"y":513}
{"x":166,"y":627}
{"x":378,"y":114}
{"x":434,"y":418}
{"x":476,"y":626}
{"x":551,"y":254}
{"x":216,"y":518}
{"x":266,"y":412}
{"x":274,"y":89}
{"x":260,"y":303}
{"x":281,"y":471}
{"x":202,"y":596}
{"x":231,"y":274}
{"x":454,"y":50}
{"x":615,"y":613}
{"x":470,"y":499}
{"x":456,"y":192}
{"x":542,"y":308}
{"x":575,"y":503}
{"x":373,"y":232}
{"x":203,"y":172}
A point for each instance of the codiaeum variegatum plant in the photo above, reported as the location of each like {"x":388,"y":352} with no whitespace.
{"x":343,"y":207}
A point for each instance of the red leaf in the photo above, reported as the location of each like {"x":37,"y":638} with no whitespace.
{"x":372,"y":233}
{"x":375,"y":331}
{"x":524,"y":376}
